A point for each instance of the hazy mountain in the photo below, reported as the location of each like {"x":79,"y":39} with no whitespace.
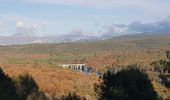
{"x":26,"y":39}
{"x":126,"y":42}
{"x":17,"y":39}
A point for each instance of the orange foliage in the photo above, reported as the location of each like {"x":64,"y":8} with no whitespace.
{"x":57,"y":81}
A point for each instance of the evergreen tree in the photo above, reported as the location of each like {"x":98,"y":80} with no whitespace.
{"x":7,"y":88}
{"x":127,"y":84}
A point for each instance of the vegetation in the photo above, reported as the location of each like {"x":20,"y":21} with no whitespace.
{"x":127,"y":84}
{"x":47,"y":80}
{"x":22,"y":88}
{"x":163,"y":69}
{"x":27,"y":88}
{"x":72,"y":96}
{"x":7,"y":88}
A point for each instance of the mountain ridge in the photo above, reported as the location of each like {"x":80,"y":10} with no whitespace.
{"x":28,"y":39}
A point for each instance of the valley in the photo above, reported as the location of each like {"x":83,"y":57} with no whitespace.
{"x":42,"y":61}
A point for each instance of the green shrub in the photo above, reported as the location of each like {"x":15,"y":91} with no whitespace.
{"x":7,"y":88}
{"x":27,"y":88}
{"x":127,"y":84}
{"x":72,"y":96}
{"x":36,"y":95}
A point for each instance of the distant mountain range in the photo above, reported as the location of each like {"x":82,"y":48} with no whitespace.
{"x":26,"y":39}
{"x":126,"y":42}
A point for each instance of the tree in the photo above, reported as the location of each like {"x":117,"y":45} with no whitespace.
{"x":72,"y":96}
{"x":127,"y":84}
{"x":163,"y":69}
{"x":27,"y":88}
{"x":7,"y":88}
{"x":168,"y":55}
{"x":36,"y":95}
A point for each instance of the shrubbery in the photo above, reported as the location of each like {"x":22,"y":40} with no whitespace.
{"x":22,"y":87}
{"x":163,"y":69}
{"x":72,"y":96}
{"x":127,"y":84}
{"x":7,"y":88}
{"x":27,"y":88}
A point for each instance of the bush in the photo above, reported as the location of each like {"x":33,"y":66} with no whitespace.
{"x":7,"y":88}
{"x":127,"y":84}
{"x":22,"y":87}
{"x":163,"y":69}
{"x":27,"y":88}
{"x":36,"y":95}
{"x":72,"y":96}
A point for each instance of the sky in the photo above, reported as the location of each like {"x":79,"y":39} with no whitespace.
{"x":55,"y":17}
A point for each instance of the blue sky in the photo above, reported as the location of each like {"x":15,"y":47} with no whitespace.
{"x":45,"y":17}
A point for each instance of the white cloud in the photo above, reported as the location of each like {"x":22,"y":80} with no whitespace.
{"x":114,"y":30}
{"x":161,"y":26}
{"x":80,"y":32}
{"x":25,"y":28}
{"x":21,"y":24}
{"x":28,"y":26}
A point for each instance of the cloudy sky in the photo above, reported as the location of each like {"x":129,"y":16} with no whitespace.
{"x":45,"y":17}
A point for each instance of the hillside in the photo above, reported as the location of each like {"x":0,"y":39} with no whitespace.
{"x":42,"y":60}
{"x":94,"y":53}
{"x":123,"y":42}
